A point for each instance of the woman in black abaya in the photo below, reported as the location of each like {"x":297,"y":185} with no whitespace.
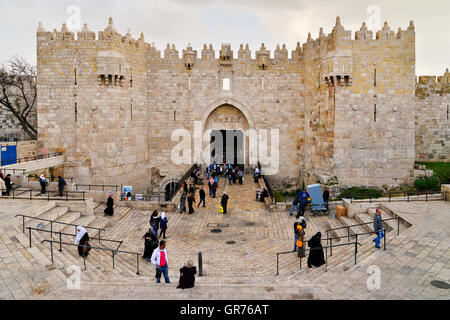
{"x":109,"y":205}
{"x":82,"y":240}
{"x":315,"y":257}
{"x":151,"y":242}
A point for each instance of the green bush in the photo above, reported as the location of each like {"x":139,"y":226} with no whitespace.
{"x":441,"y":170}
{"x":427,"y":183}
{"x":279,"y":197}
{"x":359,"y":193}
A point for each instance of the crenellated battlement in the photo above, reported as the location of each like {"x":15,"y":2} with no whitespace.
{"x":428,"y":85}
{"x":339,"y":37}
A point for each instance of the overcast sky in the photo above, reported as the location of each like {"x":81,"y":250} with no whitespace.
{"x":230,"y":21}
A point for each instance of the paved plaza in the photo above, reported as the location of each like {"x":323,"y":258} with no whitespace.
{"x":244,"y":269}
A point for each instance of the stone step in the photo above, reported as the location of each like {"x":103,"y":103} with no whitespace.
{"x":69,"y":217}
{"x":53,"y":214}
{"x":363,"y":217}
{"x":388,"y":225}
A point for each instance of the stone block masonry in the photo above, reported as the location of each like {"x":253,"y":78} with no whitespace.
{"x":344,"y":107}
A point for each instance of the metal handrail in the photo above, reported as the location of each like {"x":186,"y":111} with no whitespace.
{"x":389,"y":195}
{"x":361,"y":224}
{"x":49,"y":179}
{"x":27,"y":159}
{"x":51,"y":223}
{"x":69,"y":234}
{"x":268,"y":187}
{"x":103,"y":186}
{"x":356,"y":243}
{"x":180,"y":182}
{"x":113,"y":252}
{"x":48,"y":192}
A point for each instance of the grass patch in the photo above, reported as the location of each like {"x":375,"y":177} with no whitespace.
{"x":359,"y":193}
{"x":441,"y":170}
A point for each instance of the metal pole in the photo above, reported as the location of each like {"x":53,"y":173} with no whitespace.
{"x":384,"y":231}
{"x":301,"y":262}
{"x":29,"y":235}
{"x":326,"y":257}
{"x":113,"y":258}
{"x":356,"y":250}
{"x":137,"y":260}
{"x":51,"y":249}
{"x":23,"y":224}
{"x":51,"y":229}
{"x":398,"y":225}
{"x":200,"y":264}
{"x":331,"y":247}
{"x":60,"y":246}
{"x":389,"y":197}
{"x":277,"y":263}
{"x":99,"y":237}
{"x":84,"y":260}
{"x":408,"y":197}
{"x":348,"y":234}
{"x":327,"y":236}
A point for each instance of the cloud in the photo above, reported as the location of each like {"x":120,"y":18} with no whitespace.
{"x":234,"y":21}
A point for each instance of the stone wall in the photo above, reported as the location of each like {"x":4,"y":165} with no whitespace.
{"x":433,"y":118}
{"x":112,"y":104}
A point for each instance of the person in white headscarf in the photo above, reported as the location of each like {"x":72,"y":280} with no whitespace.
{"x":43,"y":183}
{"x":163,"y":225}
{"x":82,"y":240}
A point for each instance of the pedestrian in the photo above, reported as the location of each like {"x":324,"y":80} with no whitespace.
{"x":187,"y":276}
{"x":150,"y":244}
{"x":191,"y":201}
{"x":378,"y":228}
{"x":202,"y":197}
{"x":241,"y":176}
{"x":214,"y":188}
{"x":82,"y":239}
{"x":210,"y":187}
{"x":109,"y":210}
{"x":256,"y":174}
{"x":299,"y":241}
{"x":2,"y":186}
{"x":44,"y":183}
{"x":61,"y":184}
{"x":315,"y":257}
{"x":326,"y":197}
{"x":304,"y":199}
{"x":163,"y":225}
{"x":8,"y":184}
{"x":154,"y":221}
{"x":183,"y":202}
{"x":295,"y":205}
{"x":224,"y":202}
{"x":264,"y":195}
{"x":160,"y":260}
{"x":230,"y":177}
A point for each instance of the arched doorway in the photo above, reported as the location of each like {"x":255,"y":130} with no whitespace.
{"x":227,"y":125}
{"x":168,"y":190}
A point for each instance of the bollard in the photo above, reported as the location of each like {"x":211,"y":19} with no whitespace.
{"x":200,"y":264}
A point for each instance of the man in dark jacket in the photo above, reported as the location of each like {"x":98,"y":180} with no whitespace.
{"x":8,"y":184}
{"x":295,"y":204}
{"x":326,"y":197}
{"x":202,"y":194}
{"x":378,"y":227}
{"x":61,"y":184}
{"x":224,"y":202}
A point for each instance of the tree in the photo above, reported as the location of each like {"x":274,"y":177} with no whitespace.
{"x":18,"y":92}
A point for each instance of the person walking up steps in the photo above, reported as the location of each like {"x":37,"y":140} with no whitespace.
{"x":295,"y":205}
{"x":183,"y":203}
{"x":378,"y":227}
{"x":160,"y":260}
{"x":202,"y":197}
{"x":163,"y":225}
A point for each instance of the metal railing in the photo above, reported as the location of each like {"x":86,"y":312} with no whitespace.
{"x":32,"y":158}
{"x":30,"y":194}
{"x":57,"y":222}
{"x":396,"y":196}
{"x":114,"y":252}
{"x":326,"y":253}
{"x":268,"y":187}
{"x":173,"y":191}
{"x":360,"y":233}
{"x":92,"y":187}
{"x":157,"y":197}
{"x":49,"y":179}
